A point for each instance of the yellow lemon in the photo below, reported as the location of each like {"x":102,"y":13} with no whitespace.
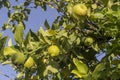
{"x":80,"y":9}
{"x":88,"y":41}
{"x":18,"y":58}
{"x":53,"y":50}
{"x":29,"y":63}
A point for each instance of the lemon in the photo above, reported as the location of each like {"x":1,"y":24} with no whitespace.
{"x":18,"y":58}
{"x":88,"y":41}
{"x":53,"y":50}
{"x":29,"y":63}
{"x":80,"y":9}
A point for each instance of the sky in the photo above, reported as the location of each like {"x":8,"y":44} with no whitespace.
{"x":36,"y":20}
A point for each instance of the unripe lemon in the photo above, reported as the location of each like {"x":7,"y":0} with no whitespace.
{"x":18,"y":58}
{"x":53,"y":50}
{"x":80,"y":9}
{"x":29,"y":63}
{"x":88,"y":41}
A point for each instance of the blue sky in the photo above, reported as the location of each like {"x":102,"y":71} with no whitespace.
{"x":36,"y":19}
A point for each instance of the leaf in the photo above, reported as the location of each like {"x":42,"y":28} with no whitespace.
{"x":34,"y":36}
{"x":50,"y":32}
{"x":10,"y":42}
{"x":9,"y":51}
{"x":76,"y":72}
{"x":19,"y":31}
{"x":118,"y":66}
{"x":70,"y":8}
{"x":46,"y":24}
{"x":98,"y":15}
{"x":72,"y":37}
{"x":97,"y":75}
{"x":27,"y":39}
{"x":41,"y":70}
{"x":61,"y":34}
{"x":81,"y":67}
{"x":52,"y":69}
{"x":43,"y":35}
{"x":105,"y":2}
{"x":95,"y":47}
{"x":99,"y":67}
{"x":114,"y":62}
{"x":116,"y":13}
{"x":41,"y":31}
{"x":1,"y":34}
{"x":2,"y":42}
{"x":7,"y":4}
{"x":20,"y":75}
{"x":6,"y":62}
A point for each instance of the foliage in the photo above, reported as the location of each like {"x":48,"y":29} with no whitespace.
{"x":77,"y":60}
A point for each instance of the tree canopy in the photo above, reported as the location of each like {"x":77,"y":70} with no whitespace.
{"x":70,"y":47}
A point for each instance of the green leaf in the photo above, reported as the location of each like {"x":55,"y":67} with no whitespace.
{"x":72,"y":38}
{"x":2,"y":42}
{"x":7,"y":4}
{"x":43,"y":35}
{"x":81,"y":67}
{"x":77,"y":73}
{"x":27,"y":39}
{"x":41,"y":70}
{"x":19,"y":32}
{"x":70,"y":8}
{"x":118,"y":66}
{"x":34,"y":36}
{"x":105,"y":2}
{"x":1,"y":34}
{"x":8,"y":51}
{"x":50,"y":32}
{"x":99,"y":67}
{"x":52,"y":69}
{"x":95,"y":47}
{"x":46,"y":24}
{"x":10,"y":42}
{"x":6,"y":62}
{"x":98,"y":16}
{"x":61,"y":34}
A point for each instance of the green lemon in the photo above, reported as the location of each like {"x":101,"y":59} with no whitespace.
{"x":88,"y":41}
{"x":29,"y":63}
{"x":80,"y":9}
{"x":18,"y":58}
{"x":53,"y":50}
